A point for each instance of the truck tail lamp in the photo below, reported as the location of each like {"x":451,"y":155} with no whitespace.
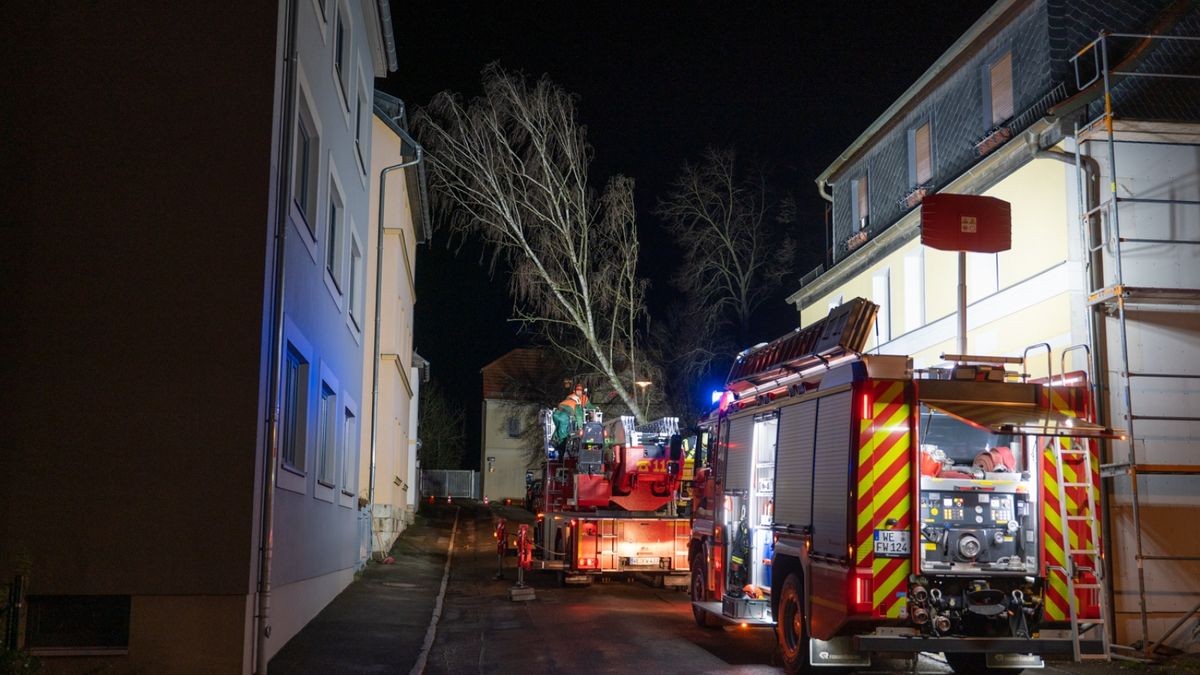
{"x":861,"y":592}
{"x":586,"y":563}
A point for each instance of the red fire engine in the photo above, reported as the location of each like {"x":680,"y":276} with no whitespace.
{"x":864,"y":509}
{"x":607,"y":501}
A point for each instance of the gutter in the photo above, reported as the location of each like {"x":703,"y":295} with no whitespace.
{"x":262,"y":623}
{"x":389,"y":37}
{"x":910,"y":95}
{"x":418,"y":158}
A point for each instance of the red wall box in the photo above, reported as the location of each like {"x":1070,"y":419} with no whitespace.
{"x":951,"y":222}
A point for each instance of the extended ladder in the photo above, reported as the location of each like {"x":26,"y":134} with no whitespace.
{"x":1089,"y":550}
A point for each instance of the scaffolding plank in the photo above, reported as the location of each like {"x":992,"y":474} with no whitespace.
{"x":1145,"y":295}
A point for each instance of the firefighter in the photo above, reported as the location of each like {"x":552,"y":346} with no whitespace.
{"x":570,"y":414}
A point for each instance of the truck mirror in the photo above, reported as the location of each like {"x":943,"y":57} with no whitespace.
{"x":676,"y":448}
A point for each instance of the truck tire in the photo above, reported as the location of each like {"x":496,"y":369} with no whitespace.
{"x":790,"y":628}
{"x":699,"y":575}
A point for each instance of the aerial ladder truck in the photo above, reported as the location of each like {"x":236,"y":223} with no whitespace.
{"x":607,"y":501}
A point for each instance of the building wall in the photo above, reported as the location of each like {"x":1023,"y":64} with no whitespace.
{"x":316,"y":525}
{"x":395,"y":452}
{"x":139,"y":279}
{"x":1019,"y":298}
{"x":504,"y":477}
{"x":133,"y":299}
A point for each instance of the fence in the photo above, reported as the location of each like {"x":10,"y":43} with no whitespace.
{"x":450,"y":483}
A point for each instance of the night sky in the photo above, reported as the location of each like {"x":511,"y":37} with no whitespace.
{"x":789,"y":85}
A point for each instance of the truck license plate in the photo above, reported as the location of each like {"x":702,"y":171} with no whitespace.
{"x":892,"y":543}
{"x":643,"y":561}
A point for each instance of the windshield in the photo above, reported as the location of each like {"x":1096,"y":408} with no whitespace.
{"x":954,"y":443}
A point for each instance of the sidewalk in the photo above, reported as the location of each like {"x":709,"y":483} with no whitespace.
{"x":378,"y":624}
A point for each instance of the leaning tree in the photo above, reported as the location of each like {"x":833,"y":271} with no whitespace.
{"x":509,"y":168}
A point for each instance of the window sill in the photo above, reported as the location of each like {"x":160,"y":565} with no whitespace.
{"x":324,"y":492}
{"x":291,"y":479}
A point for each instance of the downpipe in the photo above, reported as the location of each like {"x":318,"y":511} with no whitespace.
{"x":418,"y":157}
{"x":271,"y":451}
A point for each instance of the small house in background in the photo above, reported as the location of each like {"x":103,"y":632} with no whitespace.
{"x":508,"y":386}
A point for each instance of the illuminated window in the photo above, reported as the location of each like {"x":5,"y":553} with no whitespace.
{"x":860,"y":206}
{"x":914,"y":290}
{"x":295,"y":408}
{"x":1000,"y":89}
{"x":881,"y":294}
{"x":920,"y":155}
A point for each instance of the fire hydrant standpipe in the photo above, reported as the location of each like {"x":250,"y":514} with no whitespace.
{"x":524,"y":562}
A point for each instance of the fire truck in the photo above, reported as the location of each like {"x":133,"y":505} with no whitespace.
{"x":607,"y":503}
{"x":866,"y":510}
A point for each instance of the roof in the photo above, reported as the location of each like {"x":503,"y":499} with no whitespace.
{"x":520,"y":363}
{"x":392,"y":112}
{"x":963,"y":47}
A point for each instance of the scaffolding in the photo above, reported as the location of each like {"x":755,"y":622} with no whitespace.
{"x":1123,"y":289}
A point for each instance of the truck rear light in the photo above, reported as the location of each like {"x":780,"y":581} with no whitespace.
{"x":861,"y":595}
{"x":866,"y":405}
{"x":586,"y":563}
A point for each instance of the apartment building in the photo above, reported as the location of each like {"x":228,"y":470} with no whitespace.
{"x":1104,"y":225}
{"x":187,"y":322}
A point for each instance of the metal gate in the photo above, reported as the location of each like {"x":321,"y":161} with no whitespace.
{"x":450,"y":483}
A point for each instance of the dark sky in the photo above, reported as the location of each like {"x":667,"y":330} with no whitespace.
{"x":789,"y":84}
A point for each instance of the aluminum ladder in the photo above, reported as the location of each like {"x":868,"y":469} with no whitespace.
{"x":1091,"y":550}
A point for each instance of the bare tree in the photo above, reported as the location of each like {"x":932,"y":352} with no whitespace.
{"x":726,"y":224}
{"x":442,"y":429}
{"x":510,"y":167}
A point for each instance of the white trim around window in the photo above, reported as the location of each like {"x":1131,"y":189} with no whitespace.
{"x":348,"y":458}
{"x":328,"y":435}
{"x":295,"y":390}
{"x":333,"y":248}
{"x":342,"y":56}
{"x":356,"y":285}
{"x":305,"y":184}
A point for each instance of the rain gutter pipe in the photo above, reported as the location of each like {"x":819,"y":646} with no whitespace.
{"x":417,"y":159}
{"x":262,"y":626}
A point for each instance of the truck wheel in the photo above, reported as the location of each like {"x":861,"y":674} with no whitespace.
{"x":966,"y":663}
{"x":699,"y":575}
{"x":790,"y":629}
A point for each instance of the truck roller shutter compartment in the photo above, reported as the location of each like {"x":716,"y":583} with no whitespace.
{"x":831,"y":475}
{"x":737,"y":466}
{"x":794,"y":466}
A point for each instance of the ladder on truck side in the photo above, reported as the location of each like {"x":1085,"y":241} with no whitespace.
{"x":1089,"y":550}
{"x":844,"y":331}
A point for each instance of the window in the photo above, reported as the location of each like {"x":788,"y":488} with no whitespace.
{"x":334,"y":235}
{"x":295,"y":409}
{"x":77,"y":622}
{"x":513,"y":424}
{"x":305,"y":168}
{"x":349,"y":452}
{"x":356,"y":282}
{"x":982,"y":275}
{"x":861,"y":206}
{"x":1000,"y":90}
{"x":914,"y":290}
{"x":341,"y":54}
{"x":362,"y":124}
{"x":881,"y":294}
{"x":920,"y":155}
{"x":326,"y":429}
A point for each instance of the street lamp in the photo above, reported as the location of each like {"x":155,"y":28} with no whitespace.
{"x":642,"y":384}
